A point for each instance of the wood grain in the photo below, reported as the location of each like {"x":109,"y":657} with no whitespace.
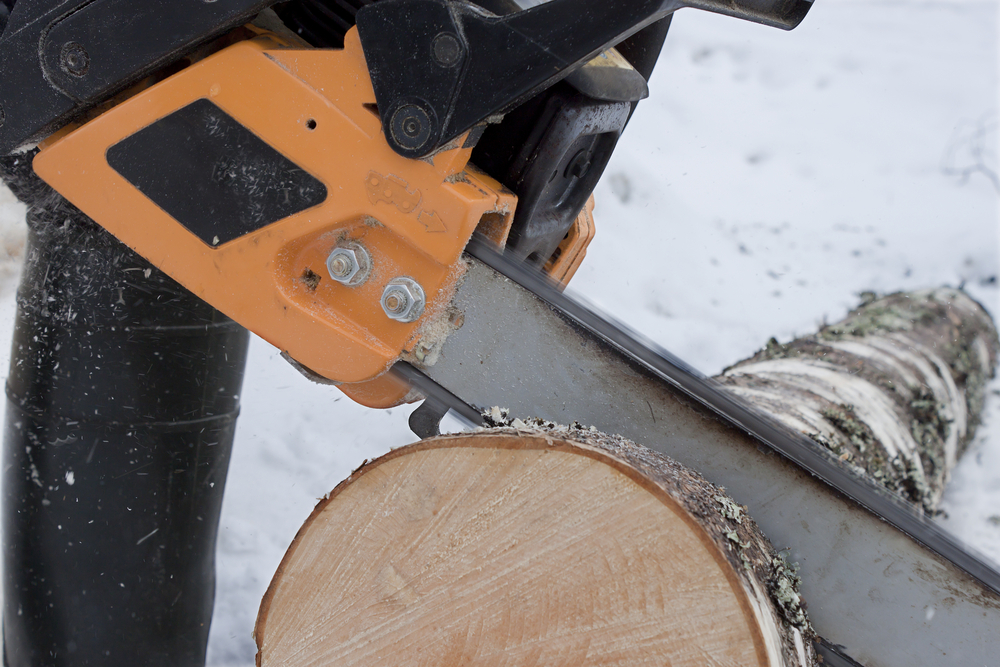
{"x":558,"y":547}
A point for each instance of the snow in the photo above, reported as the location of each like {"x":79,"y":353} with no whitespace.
{"x":769,"y":179}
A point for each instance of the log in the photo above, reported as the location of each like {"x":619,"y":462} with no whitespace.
{"x":544,"y":544}
{"x":536,"y":546}
{"x":895,"y":390}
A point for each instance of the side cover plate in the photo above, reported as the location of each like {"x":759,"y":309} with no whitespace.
{"x":238,"y":176}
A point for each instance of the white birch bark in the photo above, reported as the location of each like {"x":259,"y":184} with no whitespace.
{"x":895,"y":389}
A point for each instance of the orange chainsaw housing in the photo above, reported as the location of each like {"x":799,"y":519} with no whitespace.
{"x":316,"y":108}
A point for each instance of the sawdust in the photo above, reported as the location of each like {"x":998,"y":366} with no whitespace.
{"x":310,"y":279}
{"x":439,"y":322}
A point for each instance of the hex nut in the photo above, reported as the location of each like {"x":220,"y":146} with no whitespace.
{"x":403,"y":299}
{"x":349,"y":264}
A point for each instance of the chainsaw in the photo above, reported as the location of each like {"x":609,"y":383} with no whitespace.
{"x":395,"y":195}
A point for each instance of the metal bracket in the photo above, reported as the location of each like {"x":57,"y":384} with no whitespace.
{"x":425,"y":421}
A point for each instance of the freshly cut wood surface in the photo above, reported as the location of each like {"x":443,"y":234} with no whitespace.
{"x":557,"y":546}
{"x":895,"y":389}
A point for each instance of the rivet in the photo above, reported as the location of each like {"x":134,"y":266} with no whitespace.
{"x":447,"y":49}
{"x":411,"y":127}
{"x":74,"y":59}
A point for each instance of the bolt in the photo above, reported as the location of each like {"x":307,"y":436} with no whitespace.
{"x":349,"y":264}
{"x":403,"y":299}
{"x":73,"y":59}
{"x":411,"y":127}
{"x":341,"y":266}
{"x":447,"y":49}
{"x":579,"y":165}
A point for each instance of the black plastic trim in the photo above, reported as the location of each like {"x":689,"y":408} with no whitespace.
{"x":113,"y":43}
{"x":212,"y":174}
{"x":503,"y":60}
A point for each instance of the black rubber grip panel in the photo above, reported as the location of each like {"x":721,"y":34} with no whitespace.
{"x":212,"y":174}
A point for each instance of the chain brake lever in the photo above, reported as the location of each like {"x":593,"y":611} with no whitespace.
{"x":441,"y":67}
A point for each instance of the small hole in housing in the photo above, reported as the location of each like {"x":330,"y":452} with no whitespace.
{"x":311,"y":124}
{"x":311,"y":279}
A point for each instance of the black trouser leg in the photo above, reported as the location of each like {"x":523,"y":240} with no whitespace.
{"x":121,"y":407}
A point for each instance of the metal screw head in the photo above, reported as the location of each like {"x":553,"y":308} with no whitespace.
{"x":411,"y":127}
{"x":74,"y":59}
{"x":447,"y":49}
{"x":349,"y":264}
{"x":403,"y":299}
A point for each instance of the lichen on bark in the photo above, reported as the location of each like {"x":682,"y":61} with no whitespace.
{"x":895,"y":389}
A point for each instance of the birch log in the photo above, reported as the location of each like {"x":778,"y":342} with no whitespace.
{"x":896,"y":389}
{"x":546,"y":546}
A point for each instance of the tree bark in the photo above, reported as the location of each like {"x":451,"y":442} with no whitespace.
{"x":547,"y":545}
{"x":895,"y":389}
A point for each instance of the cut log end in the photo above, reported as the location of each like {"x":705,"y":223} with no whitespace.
{"x":554,"y":547}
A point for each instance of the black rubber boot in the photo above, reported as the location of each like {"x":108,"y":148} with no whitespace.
{"x":121,"y":408}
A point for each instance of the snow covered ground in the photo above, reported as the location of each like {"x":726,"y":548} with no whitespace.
{"x":770,"y":178}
